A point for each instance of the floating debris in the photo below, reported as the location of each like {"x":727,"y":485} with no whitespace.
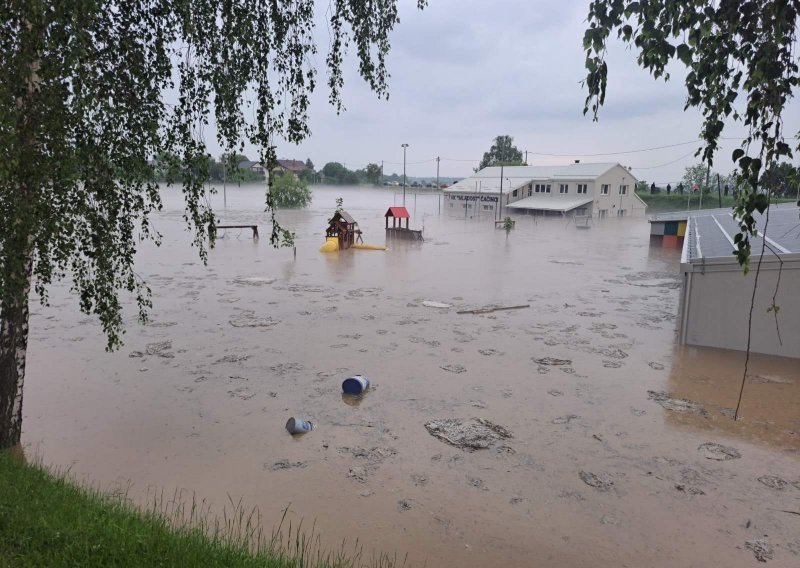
{"x":656,"y":366}
{"x":160,"y":349}
{"x":249,"y":319}
{"x":677,"y":404}
{"x":489,"y":352}
{"x":762,"y":549}
{"x":689,"y":490}
{"x":454,"y":368}
{"x":469,"y":435}
{"x":490,"y":309}
{"x":774,"y":482}
{"x":358,"y":473}
{"x":565,"y":419}
{"x":718,"y":452}
{"x":602,"y":482}
{"x":552,"y":361}
{"x":254,"y":281}
{"x":614,"y":353}
{"x":242,"y":392}
{"x":431,"y":304}
{"x":286,"y":464}
{"x":232,"y":359}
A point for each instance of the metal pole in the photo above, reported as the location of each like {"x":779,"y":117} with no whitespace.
{"x":381,"y":172}
{"x":500,"y":209}
{"x":224,"y":181}
{"x":526,"y":157}
{"x":404,"y":173}
{"x":719,"y":192}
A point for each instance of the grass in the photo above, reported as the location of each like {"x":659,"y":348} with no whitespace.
{"x":48,"y":520}
{"x":661,"y":202}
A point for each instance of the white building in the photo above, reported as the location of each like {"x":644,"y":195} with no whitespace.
{"x":600,"y":190}
{"x":715,"y":296}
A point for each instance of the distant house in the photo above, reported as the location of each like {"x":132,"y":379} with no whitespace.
{"x":256,"y":167}
{"x":294,"y":166}
{"x":599,"y":189}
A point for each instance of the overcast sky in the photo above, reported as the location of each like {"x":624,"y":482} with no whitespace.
{"x":465,"y":71}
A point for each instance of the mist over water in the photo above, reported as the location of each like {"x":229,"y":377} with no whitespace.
{"x":597,"y":472}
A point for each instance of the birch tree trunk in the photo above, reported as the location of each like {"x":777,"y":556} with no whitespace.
{"x":17,"y":260}
{"x":13,"y":348}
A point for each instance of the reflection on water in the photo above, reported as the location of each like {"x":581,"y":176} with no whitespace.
{"x":770,"y":410}
{"x":199,"y":398}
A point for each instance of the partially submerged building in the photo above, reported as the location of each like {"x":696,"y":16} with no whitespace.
{"x":716,"y":295}
{"x":599,"y":189}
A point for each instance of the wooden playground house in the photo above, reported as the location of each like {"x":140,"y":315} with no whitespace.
{"x":344,"y":228}
{"x":397,"y":214}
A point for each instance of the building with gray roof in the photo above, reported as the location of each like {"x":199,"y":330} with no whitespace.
{"x":590,"y":189}
{"x":716,"y":294}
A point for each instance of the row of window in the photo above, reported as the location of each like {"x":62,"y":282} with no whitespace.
{"x":469,"y":206}
{"x":582,"y":189}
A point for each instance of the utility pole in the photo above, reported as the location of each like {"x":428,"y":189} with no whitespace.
{"x":526,"y":157}
{"x":500,"y":209}
{"x":404,"y":173}
{"x":381,"y":172}
{"x":719,"y":192}
{"x":438,"y":189}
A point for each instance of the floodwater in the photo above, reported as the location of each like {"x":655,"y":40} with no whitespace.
{"x":597,"y":472}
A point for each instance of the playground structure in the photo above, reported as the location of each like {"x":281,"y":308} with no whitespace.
{"x":397,"y":214}
{"x":343,"y":233}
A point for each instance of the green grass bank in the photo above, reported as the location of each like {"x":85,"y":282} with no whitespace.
{"x":47,"y":520}
{"x":662,"y":203}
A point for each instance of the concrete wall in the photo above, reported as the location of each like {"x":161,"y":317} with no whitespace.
{"x":715,"y":306}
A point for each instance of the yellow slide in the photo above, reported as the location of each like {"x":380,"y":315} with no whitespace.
{"x":367,"y":247}
{"x":331,"y":245}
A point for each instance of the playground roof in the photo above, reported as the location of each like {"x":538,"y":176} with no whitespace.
{"x":345,"y":216}
{"x":398,"y":213}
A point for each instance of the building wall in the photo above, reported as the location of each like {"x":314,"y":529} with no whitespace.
{"x":715,"y":306}
{"x":613,"y":202}
{"x":471,"y":204}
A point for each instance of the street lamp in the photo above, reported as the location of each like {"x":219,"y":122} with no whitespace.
{"x":404,"y":173}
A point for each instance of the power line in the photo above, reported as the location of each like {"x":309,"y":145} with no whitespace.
{"x":663,"y":165}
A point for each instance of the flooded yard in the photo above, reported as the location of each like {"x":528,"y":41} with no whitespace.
{"x":600,"y":442}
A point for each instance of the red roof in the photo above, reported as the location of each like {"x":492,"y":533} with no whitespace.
{"x":398,"y":213}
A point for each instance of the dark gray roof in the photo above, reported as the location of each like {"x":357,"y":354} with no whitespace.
{"x":346,"y":216}
{"x":247,"y":164}
{"x":710,"y":233}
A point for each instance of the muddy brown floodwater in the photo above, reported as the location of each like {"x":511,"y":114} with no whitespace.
{"x":621,"y":452}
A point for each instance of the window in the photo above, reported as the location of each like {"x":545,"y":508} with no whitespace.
{"x":548,"y":188}
{"x":530,"y":190}
{"x":563,"y":188}
{"x":620,"y":212}
{"x":488,"y":207}
{"x":582,"y":187}
{"x":604,"y":189}
{"x":452,"y":204}
{"x":623,"y":190}
{"x":515,"y":193}
{"x":580,"y":211}
{"x":602,"y":212}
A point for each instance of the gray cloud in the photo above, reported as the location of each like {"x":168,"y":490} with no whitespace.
{"x":464,"y":71}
